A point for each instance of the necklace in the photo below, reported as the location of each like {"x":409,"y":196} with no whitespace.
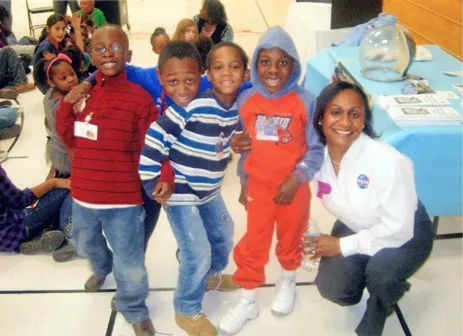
{"x":335,"y":162}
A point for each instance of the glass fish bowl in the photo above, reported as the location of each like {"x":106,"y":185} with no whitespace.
{"x":386,"y":54}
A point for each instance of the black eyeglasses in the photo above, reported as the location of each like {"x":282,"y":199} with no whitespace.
{"x":115,"y":48}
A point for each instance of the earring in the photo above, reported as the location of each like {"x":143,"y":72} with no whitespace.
{"x":363,"y":126}
{"x":319,"y":122}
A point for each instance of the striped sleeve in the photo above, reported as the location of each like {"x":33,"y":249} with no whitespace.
{"x":161,"y":135}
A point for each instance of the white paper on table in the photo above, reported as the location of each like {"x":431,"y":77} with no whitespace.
{"x":448,"y":94}
{"x":459,"y":88}
{"x":453,"y":73}
{"x":422,"y":54}
{"x":424,"y":115}
{"x":431,"y":99}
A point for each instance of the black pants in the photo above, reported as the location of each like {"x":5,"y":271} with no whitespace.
{"x":342,"y":279}
{"x":59,"y":6}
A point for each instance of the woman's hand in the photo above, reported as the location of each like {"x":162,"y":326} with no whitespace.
{"x":321,"y":246}
{"x":162,"y":192}
{"x":61,"y":183}
{"x":240,"y":143}
{"x":287,"y":191}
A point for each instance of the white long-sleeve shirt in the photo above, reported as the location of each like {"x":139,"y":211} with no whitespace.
{"x":374,"y":195}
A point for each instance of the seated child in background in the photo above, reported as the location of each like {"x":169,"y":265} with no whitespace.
{"x":286,"y":153}
{"x":88,"y":7}
{"x":106,"y":139}
{"x":61,"y":78}
{"x":88,"y":21}
{"x":159,"y":39}
{"x":212,"y":22}
{"x":52,"y":40}
{"x":77,"y":61}
{"x":186,"y":31}
{"x":20,"y":227}
{"x":85,"y":39}
{"x":196,"y":140}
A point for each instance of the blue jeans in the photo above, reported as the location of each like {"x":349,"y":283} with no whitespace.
{"x":8,"y":116}
{"x":204,"y":235}
{"x":45,"y":214}
{"x":125,"y":232}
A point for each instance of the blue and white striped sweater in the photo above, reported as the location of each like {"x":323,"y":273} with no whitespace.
{"x":191,"y":138}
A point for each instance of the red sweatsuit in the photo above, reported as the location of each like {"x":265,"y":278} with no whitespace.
{"x":284,"y":143}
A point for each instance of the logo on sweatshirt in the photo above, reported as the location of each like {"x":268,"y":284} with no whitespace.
{"x":275,"y":125}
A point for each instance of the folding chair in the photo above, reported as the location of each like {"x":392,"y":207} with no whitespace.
{"x":36,"y":10}
{"x":18,"y":130}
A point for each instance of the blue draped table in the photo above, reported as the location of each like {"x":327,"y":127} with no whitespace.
{"x":436,"y":151}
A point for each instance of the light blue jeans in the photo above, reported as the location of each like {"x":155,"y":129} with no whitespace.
{"x":204,"y":236}
{"x":124,"y":229}
{"x":8,"y":116}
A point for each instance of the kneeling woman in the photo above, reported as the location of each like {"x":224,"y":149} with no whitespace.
{"x":383,"y":234}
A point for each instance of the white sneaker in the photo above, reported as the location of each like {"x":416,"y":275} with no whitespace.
{"x":232,"y":322}
{"x":283,"y":303}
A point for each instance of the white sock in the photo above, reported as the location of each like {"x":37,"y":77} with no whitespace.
{"x":288,"y":275}
{"x":249,"y":294}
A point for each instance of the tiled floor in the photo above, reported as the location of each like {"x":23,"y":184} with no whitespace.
{"x":41,"y":297}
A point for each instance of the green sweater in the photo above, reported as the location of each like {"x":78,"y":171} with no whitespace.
{"x":97,"y":16}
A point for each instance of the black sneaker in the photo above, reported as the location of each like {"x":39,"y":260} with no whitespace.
{"x":48,"y":242}
{"x":5,"y":103}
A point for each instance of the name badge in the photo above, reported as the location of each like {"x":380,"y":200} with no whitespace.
{"x":267,"y":132}
{"x":85,"y":130}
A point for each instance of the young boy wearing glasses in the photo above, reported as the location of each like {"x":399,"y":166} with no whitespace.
{"x":106,"y":139}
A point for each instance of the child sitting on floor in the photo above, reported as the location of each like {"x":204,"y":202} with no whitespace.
{"x":159,"y":39}
{"x":186,"y":31}
{"x":88,"y":7}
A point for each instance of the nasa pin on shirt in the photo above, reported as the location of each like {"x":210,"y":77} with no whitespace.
{"x":373,"y":194}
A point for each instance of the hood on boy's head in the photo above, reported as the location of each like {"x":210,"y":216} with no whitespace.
{"x":276,"y":37}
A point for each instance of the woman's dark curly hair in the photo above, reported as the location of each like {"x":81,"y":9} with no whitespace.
{"x":215,"y":12}
{"x":328,"y":94}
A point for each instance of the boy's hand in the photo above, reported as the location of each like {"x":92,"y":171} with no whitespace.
{"x":244,"y":196}
{"x":240,"y":142}
{"x":162,"y":192}
{"x":77,"y":93}
{"x":61,"y":183}
{"x":75,"y":21}
{"x":287,"y":190}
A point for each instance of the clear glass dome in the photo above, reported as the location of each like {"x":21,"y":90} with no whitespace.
{"x":386,"y":54}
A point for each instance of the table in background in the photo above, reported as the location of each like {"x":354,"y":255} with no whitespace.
{"x":436,"y":151}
